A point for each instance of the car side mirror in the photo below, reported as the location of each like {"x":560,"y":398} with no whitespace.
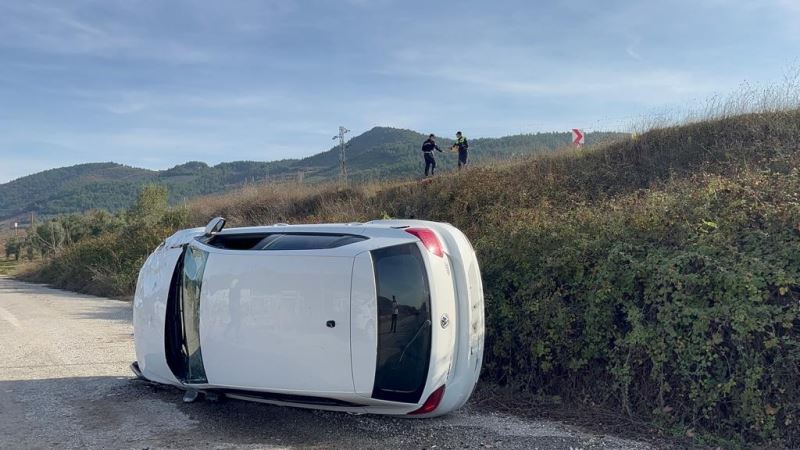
{"x":215,"y":226}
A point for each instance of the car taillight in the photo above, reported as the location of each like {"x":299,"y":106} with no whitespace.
{"x":429,"y":240}
{"x":431,"y":403}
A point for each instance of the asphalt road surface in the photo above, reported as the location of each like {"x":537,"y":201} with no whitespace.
{"x":65,"y":383}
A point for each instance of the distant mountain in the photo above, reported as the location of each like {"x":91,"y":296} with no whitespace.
{"x":380,"y":153}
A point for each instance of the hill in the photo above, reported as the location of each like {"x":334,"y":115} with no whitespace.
{"x":657,"y":277}
{"x":380,"y":153}
{"x":107,"y":185}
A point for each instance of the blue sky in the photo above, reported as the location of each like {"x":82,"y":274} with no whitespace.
{"x":156,"y":83}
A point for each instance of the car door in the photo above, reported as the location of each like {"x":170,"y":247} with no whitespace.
{"x":276,"y":321}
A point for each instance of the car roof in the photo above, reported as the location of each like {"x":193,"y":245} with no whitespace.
{"x":380,"y":234}
{"x":375,"y":227}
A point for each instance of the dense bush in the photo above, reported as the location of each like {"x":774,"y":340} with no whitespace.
{"x":682,"y":305}
{"x":13,"y":248}
{"x":108,"y":264}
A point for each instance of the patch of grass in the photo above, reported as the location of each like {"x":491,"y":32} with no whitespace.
{"x":8,"y":267}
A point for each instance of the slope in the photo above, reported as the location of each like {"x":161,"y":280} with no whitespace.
{"x":379,"y":153}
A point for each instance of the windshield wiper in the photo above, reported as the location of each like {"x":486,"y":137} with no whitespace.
{"x":427,"y":323}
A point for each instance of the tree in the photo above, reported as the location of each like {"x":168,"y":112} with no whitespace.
{"x":150,"y":206}
{"x":12,"y":248}
{"x":49,"y":237}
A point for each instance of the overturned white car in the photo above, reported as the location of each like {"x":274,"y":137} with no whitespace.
{"x":383,"y":317}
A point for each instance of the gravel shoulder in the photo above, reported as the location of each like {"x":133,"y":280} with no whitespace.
{"x":65,"y":383}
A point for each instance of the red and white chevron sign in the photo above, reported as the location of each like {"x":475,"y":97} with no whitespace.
{"x":578,"y":137}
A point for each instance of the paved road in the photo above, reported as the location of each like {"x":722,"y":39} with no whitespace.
{"x":65,"y":383}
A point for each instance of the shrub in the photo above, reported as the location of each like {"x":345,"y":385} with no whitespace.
{"x":108,"y":263}
{"x":681,"y":305}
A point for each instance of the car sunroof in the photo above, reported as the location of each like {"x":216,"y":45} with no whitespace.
{"x":281,"y":241}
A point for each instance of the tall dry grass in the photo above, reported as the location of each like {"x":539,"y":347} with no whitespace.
{"x":750,"y":98}
{"x":563,"y":179}
{"x":270,"y":203}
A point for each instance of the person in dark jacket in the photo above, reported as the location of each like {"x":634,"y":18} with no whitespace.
{"x":463,"y":146}
{"x":427,"y":151}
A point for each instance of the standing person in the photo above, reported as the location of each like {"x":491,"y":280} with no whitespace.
{"x":463,"y":146}
{"x":395,"y":312}
{"x":427,"y":150}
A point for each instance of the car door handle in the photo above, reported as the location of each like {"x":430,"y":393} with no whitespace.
{"x":330,"y":323}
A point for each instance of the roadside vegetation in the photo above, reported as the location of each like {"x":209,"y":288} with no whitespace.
{"x":657,"y":276}
{"x":381,"y":154}
{"x":7,"y":267}
{"x":99,"y":253}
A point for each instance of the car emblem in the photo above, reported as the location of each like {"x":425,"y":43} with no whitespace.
{"x":444,"y":321}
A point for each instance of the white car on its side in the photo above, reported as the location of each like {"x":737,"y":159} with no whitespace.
{"x":383,"y":317}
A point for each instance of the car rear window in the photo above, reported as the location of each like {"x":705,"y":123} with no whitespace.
{"x":281,"y":241}
{"x":404,"y":323}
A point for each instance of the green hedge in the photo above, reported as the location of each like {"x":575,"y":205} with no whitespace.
{"x":679,"y":305}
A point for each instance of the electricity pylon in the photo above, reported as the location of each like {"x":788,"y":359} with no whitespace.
{"x":342,"y":156}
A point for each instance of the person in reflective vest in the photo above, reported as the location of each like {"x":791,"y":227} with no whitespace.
{"x":462,"y":146}
{"x":427,"y":151}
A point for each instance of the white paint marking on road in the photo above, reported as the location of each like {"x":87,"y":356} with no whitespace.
{"x":10,"y":318}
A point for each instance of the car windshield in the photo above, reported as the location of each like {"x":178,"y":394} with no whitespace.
{"x":404,"y":325}
{"x":182,"y":324}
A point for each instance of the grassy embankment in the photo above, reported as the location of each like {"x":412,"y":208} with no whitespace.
{"x":659,"y":276}
{"x":9,"y":264}
{"x":7,"y":267}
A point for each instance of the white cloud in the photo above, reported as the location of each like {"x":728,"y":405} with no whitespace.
{"x":59,"y":30}
{"x":132,"y":101}
{"x":791,"y":9}
{"x":789,"y":5}
{"x":631,"y":49}
{"x":651,"y":86}
{"x":368,"y":3}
